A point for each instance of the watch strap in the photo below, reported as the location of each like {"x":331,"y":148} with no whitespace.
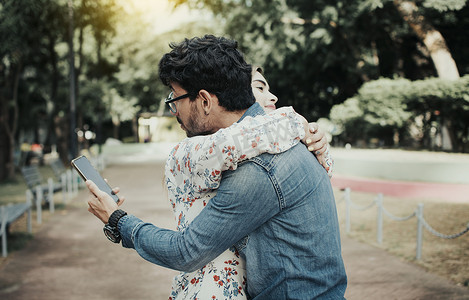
{"x":115,"y":217}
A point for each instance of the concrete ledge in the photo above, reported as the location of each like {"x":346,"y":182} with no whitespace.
{"x":419,"y":166}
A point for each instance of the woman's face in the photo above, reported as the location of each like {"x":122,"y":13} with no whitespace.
{"x":260,"y":89}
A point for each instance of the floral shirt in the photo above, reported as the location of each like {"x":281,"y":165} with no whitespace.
{"x":193,"y":173}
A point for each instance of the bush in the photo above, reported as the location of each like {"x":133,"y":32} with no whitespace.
{"x":402,"y":112}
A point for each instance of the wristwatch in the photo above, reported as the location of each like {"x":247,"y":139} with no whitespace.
{"x":112,"y":233}
{"x":110,"y":229}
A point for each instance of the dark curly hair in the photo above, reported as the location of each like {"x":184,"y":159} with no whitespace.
{"x":213,"y":64}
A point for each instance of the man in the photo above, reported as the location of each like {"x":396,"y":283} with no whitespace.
{"x":277,"y":210}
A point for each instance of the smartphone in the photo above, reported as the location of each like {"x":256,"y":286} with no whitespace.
{"x":88,"y":172}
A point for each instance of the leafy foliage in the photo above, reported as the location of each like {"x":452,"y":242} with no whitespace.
{"x":387,"y":105}
{"x":444,"y":5}
{"x":317,"y":54}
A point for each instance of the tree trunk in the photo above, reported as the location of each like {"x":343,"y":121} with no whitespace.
{"x":62,"y":132}
{"x":135,"y":128}
{"x":9,"y":123}
{"x":116,"y":129}
{"x":441,"y":56}
{"x":78,"y":71}
{"x":54,"y":84}
{"x":4,"y":144}
{"x":14,"y":121}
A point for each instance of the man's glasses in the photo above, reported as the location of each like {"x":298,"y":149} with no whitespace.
{"x":170,"y":101}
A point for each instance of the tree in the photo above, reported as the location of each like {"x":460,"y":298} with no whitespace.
{"x":17,"y":19}
{"x":441,"y":56}
{"x":95,"y":25}
{"x":119,"y":108}
{"x":444,"y":63}
{"x":314,"y":53}
{"x":33,"y":79}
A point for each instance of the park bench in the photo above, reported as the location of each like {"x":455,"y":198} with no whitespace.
{"x":58,"y":168}
{"x":68,"y":177}
{"x":63,"y":175}
{"x":8,"y":214}
{"x":41,"y":192}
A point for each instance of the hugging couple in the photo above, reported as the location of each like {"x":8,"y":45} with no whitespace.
{"x":255,"y":211}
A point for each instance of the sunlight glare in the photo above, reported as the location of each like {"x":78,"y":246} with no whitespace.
{"x":160,"y":13}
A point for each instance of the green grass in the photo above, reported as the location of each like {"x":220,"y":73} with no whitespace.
{"x":14,"y":191}
{"x":17,"y":240}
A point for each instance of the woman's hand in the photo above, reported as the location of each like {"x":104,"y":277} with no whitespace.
{"x":100,"y":203}
{"x":316,"y":142}
{"x":315,"y":139}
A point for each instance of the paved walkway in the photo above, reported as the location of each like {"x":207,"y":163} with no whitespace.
{"x":69,"y":258}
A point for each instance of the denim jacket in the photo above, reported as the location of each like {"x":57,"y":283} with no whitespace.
{"x":277,"y":210}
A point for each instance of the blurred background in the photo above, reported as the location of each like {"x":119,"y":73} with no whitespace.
{"x":386,"y":79}
{"x":374,"y":73}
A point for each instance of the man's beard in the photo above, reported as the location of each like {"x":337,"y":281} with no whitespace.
{"x":194,"y":126}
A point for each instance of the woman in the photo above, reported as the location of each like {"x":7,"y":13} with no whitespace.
{"x":316,"y":143}
{"x":194,"y":170}
{"x":193,"y":173}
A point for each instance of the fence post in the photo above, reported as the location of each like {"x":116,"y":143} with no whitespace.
{"x":3,"y":230}
{"x":39,"y":204}
{"x":75,"y":179}
{"x":347,"y":209}
{"x":29,"y":200}
{"x":419,"y":231}
{"x":63,"y":181}
{"x":50,"y":182}
{"x":69,"y":184}
{"x":100,"y":162}
{"x":379,"y":219}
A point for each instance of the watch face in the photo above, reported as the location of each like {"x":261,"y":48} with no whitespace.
{"x":112,"y":233}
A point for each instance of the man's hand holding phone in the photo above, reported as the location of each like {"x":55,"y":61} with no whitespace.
{"x":101,"y":203}
{"x":104,"y":200}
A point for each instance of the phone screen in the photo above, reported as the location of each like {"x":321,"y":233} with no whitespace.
{"x":88,"y":172}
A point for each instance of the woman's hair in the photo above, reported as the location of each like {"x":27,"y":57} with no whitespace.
{"x":213,"y":64}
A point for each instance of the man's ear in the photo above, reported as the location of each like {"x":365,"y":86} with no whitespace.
{"x":208,"y":101}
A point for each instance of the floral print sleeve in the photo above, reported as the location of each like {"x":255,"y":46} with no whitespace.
{"x":200,"y":160}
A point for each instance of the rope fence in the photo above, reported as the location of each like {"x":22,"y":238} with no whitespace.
{"x":381,"y":211}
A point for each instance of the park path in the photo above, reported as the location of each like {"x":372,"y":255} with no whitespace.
{"x":69,"y":258}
